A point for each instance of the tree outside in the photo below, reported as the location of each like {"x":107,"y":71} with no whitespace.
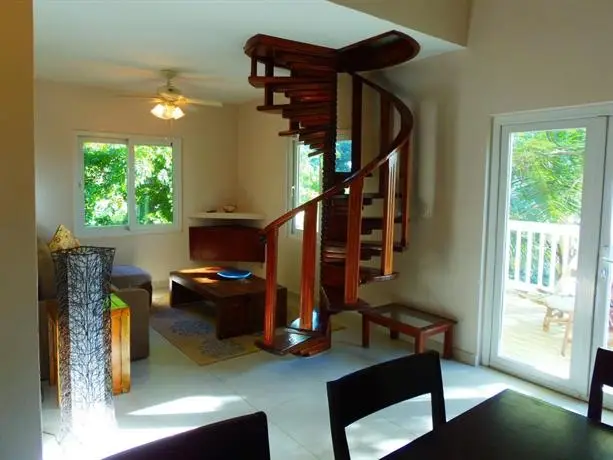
{"x":546,"y":186}
{"x":547,"y":176}
{"x":106,"y":184}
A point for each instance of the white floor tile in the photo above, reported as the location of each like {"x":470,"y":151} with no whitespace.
{"x":171,"y":394}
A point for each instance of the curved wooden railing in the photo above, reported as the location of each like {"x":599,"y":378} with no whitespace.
{"x":393,"y":157}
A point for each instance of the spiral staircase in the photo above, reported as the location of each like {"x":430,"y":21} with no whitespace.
{"x":309,"y":81}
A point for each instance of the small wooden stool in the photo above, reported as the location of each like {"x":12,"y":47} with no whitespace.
{"x":389,"y":316}
{"x":120,"y":345}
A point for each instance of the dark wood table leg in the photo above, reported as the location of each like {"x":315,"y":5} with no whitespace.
{"x":365,"y":332}
{"x":420,"y":342}
{"x":180,"y":294}
{"x":448,"y":343}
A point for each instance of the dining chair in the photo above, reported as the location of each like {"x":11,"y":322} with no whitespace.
{"x":244,"y":438}
{"x":602,"y":375}
{"x":370,"y":390}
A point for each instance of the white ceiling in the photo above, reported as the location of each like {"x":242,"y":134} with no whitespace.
{"x":122,"y":44}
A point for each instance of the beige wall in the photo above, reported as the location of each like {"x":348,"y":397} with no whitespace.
{"x":525,"y":54}
{"x":446,"y":19}
{"x":262,"y":182}
{"x":208,"y":169}
{"x":20,"y":424}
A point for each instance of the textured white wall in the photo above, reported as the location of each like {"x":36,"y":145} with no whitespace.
{"x":20,"y":424}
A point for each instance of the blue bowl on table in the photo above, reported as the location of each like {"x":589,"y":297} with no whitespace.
{"x":234,"y":274}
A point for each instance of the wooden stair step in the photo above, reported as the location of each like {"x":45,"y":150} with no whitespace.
{"x":333,"y":274}
{"x":336,"y":301}
{"x":299,"y":131}
{"x":299,"y":66}
{"x":298,"y":108}
{"x":369,"y":224}
{"x":314,"y":97}
{"x":285,"y":83}
{"x":337,"y":250}
{"x":318,"y":136}
{"x":365,"y":195}
{"x":288,"y":340}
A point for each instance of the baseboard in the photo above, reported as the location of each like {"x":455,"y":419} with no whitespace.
{"x":465,"y":357}
{"x":160,"y":284}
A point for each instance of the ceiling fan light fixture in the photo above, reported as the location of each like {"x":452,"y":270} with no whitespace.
{"x":167,"y":111}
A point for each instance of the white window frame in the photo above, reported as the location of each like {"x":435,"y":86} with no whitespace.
{"x":341,"y":135}
{"x":133,"y":228}
{"x":293,"y":182}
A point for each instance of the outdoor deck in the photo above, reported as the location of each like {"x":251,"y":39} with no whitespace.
{"x":524,"y":340}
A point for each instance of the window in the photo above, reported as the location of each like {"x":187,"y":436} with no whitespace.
{"x":306,"y":173}
{"x":127,"y":185}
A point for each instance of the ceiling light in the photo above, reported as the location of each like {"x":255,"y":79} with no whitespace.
{"x":167,"y":111}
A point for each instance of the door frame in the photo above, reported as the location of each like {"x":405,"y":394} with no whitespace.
{"x":490,"y":258}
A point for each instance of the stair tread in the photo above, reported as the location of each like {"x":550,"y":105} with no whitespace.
{"x":367,"y":274}
{"x":336,"y":301}
{"x":370,"y":195}
{"x":373,"y":219}
{"x":260,"y":82}
{"x":314,"y":129}
{"x":288,"y":340}
{"x":368,"y":244}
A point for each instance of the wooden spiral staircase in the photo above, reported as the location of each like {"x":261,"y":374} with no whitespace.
{"x":309,"y":84}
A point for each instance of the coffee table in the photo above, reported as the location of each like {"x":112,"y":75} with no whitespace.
{"x":238,"y":304}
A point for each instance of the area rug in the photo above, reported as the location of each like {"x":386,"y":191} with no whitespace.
{"x":192,"y":331}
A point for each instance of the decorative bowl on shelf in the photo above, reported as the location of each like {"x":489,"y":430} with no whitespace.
{"x":229,"y":208}
{"x":234,"y":274}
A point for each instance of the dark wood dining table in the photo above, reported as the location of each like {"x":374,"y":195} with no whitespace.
{"x":513,"y":426}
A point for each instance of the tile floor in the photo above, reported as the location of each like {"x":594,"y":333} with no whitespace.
{"x":171,"y":394}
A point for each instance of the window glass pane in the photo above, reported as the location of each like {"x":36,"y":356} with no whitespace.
{"x":153,"y":185}
{"x":343,"y":156}
{"x":105,"y":184}
{"x":308,"y":180}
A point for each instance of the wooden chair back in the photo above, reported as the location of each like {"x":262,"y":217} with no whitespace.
{"x":369,"y":390}
{"x":244,"y":438}
{"x":603,"y":375}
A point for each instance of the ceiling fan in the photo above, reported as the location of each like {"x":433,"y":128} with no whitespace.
{"x":170,"y":101}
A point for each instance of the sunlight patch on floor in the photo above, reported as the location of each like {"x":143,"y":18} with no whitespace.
{"x":188,"y":405}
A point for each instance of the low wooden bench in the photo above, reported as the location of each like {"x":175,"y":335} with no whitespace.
{"x":395,"y":317}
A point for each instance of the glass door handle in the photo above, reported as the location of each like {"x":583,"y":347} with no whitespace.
{"x":607,"y":260}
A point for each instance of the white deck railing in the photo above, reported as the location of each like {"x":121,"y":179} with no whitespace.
{"x":539,"y":253}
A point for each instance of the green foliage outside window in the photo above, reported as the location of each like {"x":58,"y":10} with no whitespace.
{"x":547,"y":175}
{"x":546,"y":186}
{"x":153,"y":187}
{"x":106,"y":184}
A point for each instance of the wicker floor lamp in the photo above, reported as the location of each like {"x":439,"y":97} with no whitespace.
{"x":84,"y":327}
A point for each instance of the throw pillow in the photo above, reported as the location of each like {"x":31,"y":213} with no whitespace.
{"x":63,"y":239}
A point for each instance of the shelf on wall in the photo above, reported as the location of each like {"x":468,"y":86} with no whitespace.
{"x":228,"y":215}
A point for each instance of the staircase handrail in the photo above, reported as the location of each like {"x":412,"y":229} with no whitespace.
{"x":403,"y":136}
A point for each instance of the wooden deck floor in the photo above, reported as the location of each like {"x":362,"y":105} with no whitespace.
{"x":524,"y":340}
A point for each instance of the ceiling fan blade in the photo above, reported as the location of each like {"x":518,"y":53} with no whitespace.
{"x":189,"y":108}
{"x":209,"y":103}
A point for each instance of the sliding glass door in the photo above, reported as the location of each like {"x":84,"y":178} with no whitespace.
{"x":548,"y":266}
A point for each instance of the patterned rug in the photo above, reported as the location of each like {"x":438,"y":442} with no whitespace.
{"x":192,"y":331}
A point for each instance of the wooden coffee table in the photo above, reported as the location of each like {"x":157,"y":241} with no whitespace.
{"x":238,"y":304}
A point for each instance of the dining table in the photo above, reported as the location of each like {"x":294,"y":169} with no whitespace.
{"x":513,"y":426}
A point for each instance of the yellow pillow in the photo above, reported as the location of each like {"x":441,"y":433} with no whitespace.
{"x":63,"y":239}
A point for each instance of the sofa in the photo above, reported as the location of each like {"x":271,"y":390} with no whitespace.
{"x":138,"y":300}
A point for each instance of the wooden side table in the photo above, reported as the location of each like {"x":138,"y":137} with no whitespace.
{"x":396,"y":318}
{"x":120,"y":345}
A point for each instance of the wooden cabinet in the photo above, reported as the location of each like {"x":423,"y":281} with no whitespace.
{"x":226,"y":243}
